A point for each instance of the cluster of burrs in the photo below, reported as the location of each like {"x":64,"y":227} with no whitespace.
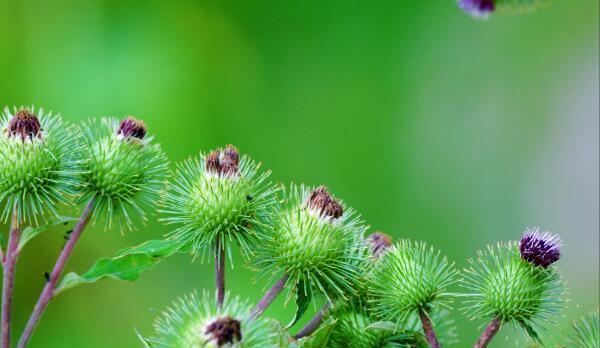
{"x":372,"y":292}
{"x":109,"y":167}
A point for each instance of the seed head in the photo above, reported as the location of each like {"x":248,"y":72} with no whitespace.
{"x":478,"y":8}
{"x":321,"y":201}
{"x":225,"y":330}
{"x":541,"y":249}
{"x":223,"y":162}
{"x":24,"y":124}
{"x":131,"y":128}
{"x":379,"y":243}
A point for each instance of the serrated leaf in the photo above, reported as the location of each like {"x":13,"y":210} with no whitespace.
{"x":127,"y":265}
{"x":303,"y":297}
{"x":386,"y":326}
{"x":30,"y":232}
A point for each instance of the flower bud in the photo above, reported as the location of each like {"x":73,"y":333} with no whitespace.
{"x":409,"y":278}
{"x":541,"y":249}
{"x":502,"y":284}
{"x":121,"y":176}
{"x":216,"y":199}
{"x":314,"y":240}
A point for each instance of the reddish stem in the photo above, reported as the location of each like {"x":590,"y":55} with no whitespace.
{"x":490,"y":331}
{"x":428,"y":328}
{"x":8,"y":283}
{"x":313,"y":324}
{"x":220,"y":273}
{"x":269,"y":297}
{"x":61,"y":262}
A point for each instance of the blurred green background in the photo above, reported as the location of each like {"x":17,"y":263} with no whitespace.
{"x":431,"y":124}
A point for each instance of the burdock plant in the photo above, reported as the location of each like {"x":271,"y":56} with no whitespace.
{"x":311,"y":245}
{"x":515,"y":283}
{"x":39,"y":168}
{"x":202,"y":322}
{"x":123,"y":172}
{"x":216,"y":200}
{"x":409,"y":282}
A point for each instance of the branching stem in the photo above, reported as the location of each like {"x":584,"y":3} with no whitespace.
{"x":8,"y":284}
{"x":490,"y":331}
{"x":269,"y":297}
{"x":61,"y":262}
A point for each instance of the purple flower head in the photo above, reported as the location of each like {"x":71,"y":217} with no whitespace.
{"x":477,"y":8}
{"x":131,"y":128}
{"x":541,"y":249}
{"x":379,"y":243}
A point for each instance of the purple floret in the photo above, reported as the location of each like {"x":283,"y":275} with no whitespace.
{"x":541,"y":249}
{"x":477,"y":8}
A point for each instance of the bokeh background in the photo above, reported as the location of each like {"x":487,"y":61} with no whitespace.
{"x":433,"y":125}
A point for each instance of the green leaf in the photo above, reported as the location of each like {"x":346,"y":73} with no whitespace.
{"x":386,"y":326}
{"x":303,"y":297}
{"x":30,"y":232}
{"x":127,"y":265}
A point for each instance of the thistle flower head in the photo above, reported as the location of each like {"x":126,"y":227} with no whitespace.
{"x":502,"y":284}
{"x":218,"y":198}
{"x":40,"y":166}
{"x":125,"y":170}
{"x":541,"y":249}
{"x":314,"y":239}
{"x":197,"y":322}
{"x":410,"y":277}
{"x":586,"y":332}
{"x":477,"y":8}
